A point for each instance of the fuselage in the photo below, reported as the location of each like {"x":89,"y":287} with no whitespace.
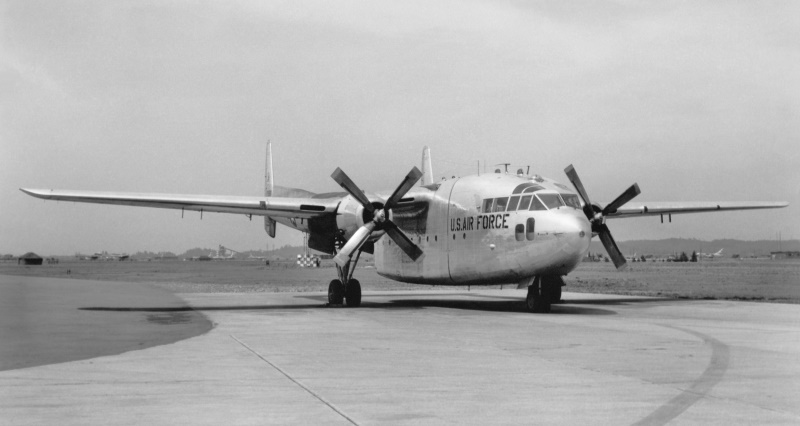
{"x":492,"y":228}
{"x":480,"y":229}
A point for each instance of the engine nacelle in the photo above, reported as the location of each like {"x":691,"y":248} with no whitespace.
{"x":351,"y":215}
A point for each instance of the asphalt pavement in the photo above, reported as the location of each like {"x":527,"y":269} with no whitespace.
{"x":427,"y":357}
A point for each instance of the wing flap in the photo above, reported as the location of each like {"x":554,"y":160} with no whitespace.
{"x":657,"y":208}
{"x":259,"y":206}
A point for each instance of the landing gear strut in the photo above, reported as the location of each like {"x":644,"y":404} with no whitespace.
{"x":345,"y":290}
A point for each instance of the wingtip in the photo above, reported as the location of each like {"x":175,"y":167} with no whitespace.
{"x":38,"y":193}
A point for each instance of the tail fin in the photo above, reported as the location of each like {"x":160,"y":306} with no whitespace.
{"x":427,"y":171}
{"x":269,"y":187}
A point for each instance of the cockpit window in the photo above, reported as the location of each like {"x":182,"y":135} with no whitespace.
{"x":512,"y":203}
{"x":571,"y":200}
{"x":524,"y":202}
{"x":500,"y":204}
{"x":536,"y":204}
{"x":552,"y":201}
{"x":487,"y":205}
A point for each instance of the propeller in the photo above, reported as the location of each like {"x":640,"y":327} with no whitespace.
{"x":596,"y":215}
{"x":380,"y":217}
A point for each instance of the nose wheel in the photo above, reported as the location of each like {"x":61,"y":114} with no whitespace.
{"x":543,"y":292}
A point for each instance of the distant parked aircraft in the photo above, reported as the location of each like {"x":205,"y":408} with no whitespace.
{"x":104,"y":255}
{"x":711,"y":255}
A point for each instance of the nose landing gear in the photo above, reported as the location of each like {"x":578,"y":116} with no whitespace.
{"x":543,"y":292}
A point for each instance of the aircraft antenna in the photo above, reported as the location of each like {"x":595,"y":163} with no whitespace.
{"x":505,"y":165}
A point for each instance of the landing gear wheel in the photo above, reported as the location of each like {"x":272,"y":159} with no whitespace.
{"x":352,"y":293}
{"x":335,"y":293}
{"x":538,"y":299}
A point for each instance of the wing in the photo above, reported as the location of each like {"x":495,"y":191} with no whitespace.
{"x":260,"y":206}
{"x":657,"y":208}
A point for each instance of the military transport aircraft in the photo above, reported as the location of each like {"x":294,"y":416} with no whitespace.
{"x":495,"y":228}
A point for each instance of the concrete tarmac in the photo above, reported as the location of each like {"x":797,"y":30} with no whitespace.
{"x":427,"y":357}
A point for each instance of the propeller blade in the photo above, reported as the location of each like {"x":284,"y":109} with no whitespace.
{"x":623,"y":198}
{"x":354,"y":243}
{"x":411,"y":249}
{"x":576,"y":182}
{"x":611,"y":247}
{"x":348,"y":185}
{"x":411,"y":178}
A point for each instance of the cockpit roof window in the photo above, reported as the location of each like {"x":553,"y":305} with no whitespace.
{"x":526,"y":187}
{"x":533,"y":188}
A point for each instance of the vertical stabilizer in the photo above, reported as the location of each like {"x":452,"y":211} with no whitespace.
{"x":269,"y":185}
{"x":427,"y":171}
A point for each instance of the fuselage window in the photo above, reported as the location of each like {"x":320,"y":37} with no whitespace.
{"x":500,"y":204}
{"x":552,"y":201}
{"x":512,"y":203}
{"x":571,"y":200}
{"x":530,"y":231}
{"x":487,"y":205}
{"x":536,"y":204}
{"x":519,"y":232}
{"x":524,"y":202}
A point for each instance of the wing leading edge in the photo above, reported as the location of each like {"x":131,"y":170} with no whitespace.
{"x":258,"y":206}
{"x":657,"y":208}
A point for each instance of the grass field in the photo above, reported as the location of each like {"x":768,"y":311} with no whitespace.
{"x":758,"y":280}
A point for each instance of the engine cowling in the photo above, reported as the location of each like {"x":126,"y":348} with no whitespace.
{"x":351,"y":215}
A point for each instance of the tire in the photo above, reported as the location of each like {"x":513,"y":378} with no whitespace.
{"x":352,"y":294}
{"x":335,"y":293}
{"x":538,"y":299}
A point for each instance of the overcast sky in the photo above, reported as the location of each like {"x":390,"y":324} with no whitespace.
{"x":693,"y":100}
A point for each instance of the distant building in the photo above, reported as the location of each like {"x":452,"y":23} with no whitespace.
{"x":30,"y":258}
{"x":785,"y":254}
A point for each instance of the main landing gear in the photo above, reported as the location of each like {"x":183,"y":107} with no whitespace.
{"x":345,"y":290}
{"x":544,"y":291}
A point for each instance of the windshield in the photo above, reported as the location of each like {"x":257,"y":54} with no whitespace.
{"x":552,"y":201}
{"x":571,"y":200}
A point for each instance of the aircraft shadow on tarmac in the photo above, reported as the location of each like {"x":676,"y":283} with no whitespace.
{"x":461,"y":301}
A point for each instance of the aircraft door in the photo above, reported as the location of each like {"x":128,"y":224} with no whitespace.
{"x":467,"y":243}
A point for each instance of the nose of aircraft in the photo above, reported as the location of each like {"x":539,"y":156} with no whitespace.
{"x":576,"y":233}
